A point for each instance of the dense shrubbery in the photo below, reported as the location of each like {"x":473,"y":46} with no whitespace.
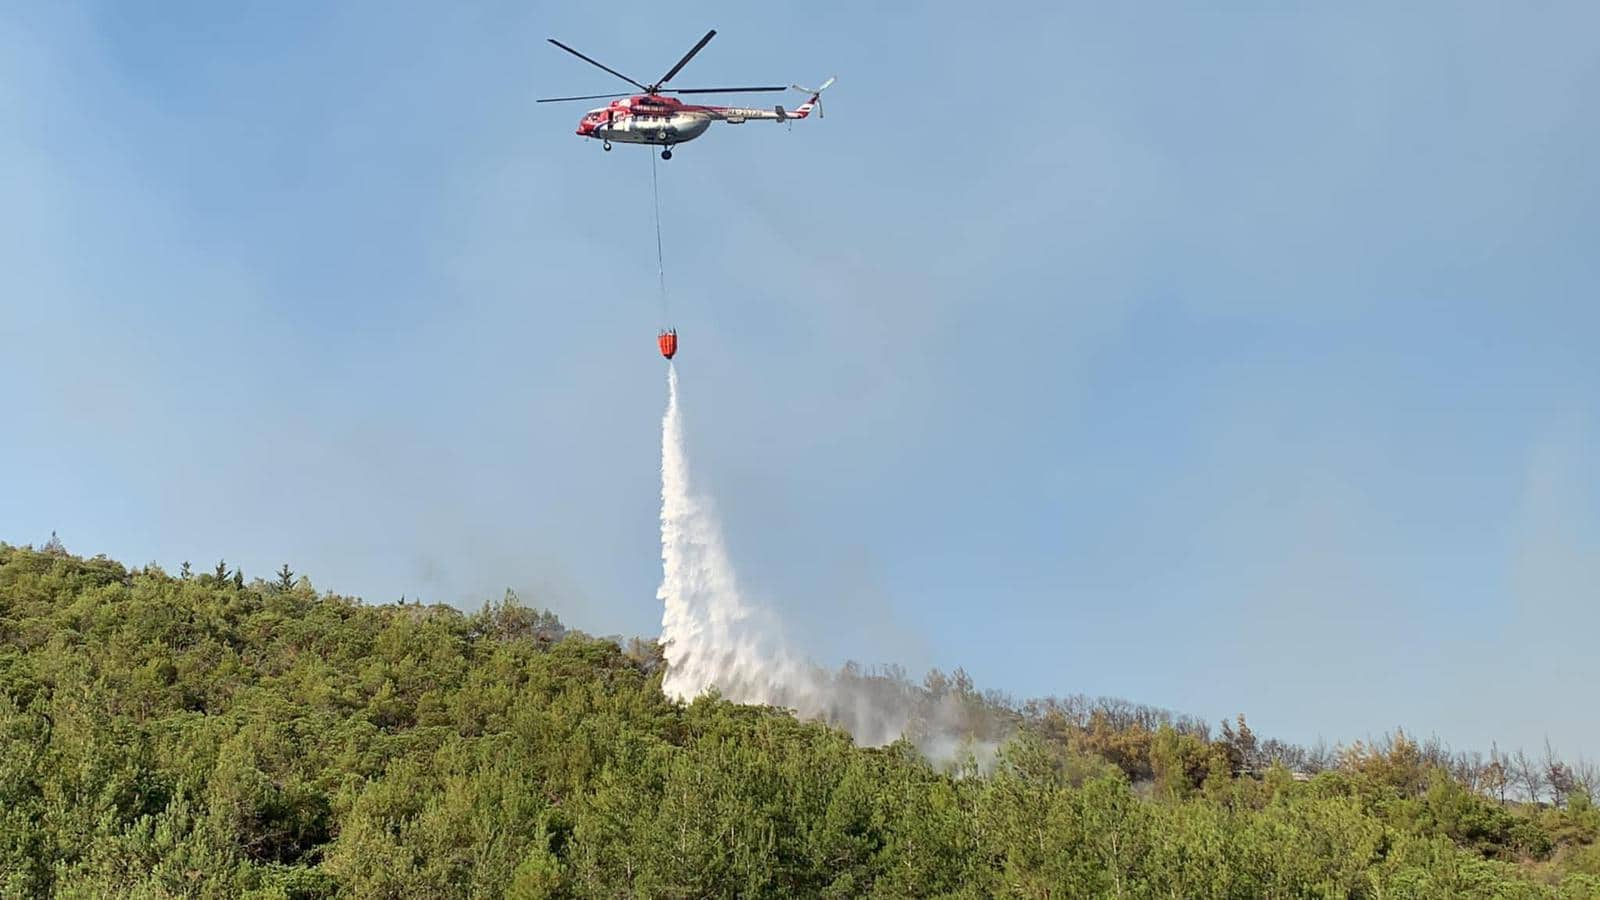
{"x":195,"y":735}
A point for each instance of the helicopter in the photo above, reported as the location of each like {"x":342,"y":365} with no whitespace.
{"x":657,"y":119}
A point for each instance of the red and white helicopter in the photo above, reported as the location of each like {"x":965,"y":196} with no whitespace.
{"x":654,"y":118}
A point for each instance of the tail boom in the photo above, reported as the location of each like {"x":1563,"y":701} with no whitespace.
{"x":736,"y":114}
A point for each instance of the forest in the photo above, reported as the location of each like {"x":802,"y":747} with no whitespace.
{"x":201,"y":734}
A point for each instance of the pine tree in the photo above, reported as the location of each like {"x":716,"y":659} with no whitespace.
{"x":54,"y":547}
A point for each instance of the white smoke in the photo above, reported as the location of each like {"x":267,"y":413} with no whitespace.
{"x":714,"y":637}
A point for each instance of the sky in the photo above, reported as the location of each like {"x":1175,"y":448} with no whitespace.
{"x":1230,"y":357}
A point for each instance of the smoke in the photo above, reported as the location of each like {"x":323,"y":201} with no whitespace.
{"x":715,"y":637}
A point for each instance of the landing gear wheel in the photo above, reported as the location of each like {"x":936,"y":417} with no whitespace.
{"x":606,"y":146}
{"x":666,"y":154}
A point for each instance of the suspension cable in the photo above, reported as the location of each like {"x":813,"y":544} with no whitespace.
{"x":661,"y":266}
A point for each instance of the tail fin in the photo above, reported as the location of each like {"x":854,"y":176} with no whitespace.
{"x":816,"y":100}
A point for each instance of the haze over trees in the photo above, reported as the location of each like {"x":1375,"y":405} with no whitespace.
{"x":204,"y":734}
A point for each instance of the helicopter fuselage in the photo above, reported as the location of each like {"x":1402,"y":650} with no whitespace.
{"x":665,"y":121}
{"x":665,"y":130}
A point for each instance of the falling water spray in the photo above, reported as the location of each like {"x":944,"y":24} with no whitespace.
{"x":715,"y":637}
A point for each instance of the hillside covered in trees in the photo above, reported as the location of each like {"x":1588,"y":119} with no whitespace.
{"x":204,"y":735}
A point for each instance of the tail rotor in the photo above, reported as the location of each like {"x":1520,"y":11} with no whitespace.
{"x":816,"y":93}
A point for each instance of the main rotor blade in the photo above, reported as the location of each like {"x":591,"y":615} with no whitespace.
{"x":744,"y":90}
{"x":600,"y":64}
{"x":686,"y":57}
{"x":585,"y":97}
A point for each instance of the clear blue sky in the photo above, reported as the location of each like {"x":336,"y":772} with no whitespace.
{"x":1229,"y":358}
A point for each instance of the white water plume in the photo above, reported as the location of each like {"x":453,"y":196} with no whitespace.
{"x":714,"y":637}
